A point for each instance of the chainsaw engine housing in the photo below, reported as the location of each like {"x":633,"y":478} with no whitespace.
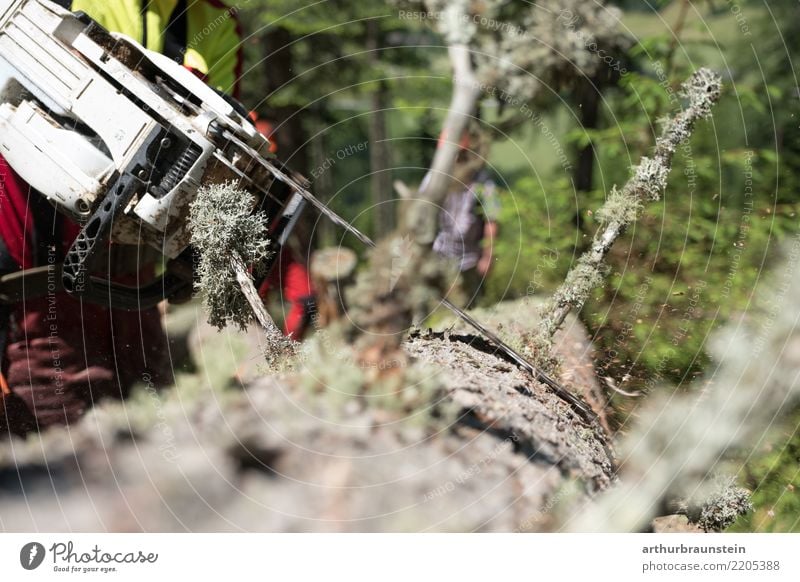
{"x":120,"y":138}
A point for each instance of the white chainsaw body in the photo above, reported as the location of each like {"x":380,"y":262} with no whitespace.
{"x":78,"y":107}
{"x":121,"y":138}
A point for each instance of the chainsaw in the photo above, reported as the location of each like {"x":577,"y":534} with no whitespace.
{"x":120,"y":138}
{"x":127,"y":137}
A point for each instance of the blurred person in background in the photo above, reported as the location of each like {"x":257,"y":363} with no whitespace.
{"x":468,"y":220}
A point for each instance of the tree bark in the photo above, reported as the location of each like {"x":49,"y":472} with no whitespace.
{"x":416,"y":457}
{"x":278,"y":72}
{"x":379,"y":154}
{"x":589,"y":102}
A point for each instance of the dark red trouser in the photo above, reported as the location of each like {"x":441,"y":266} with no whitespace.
{"x":63,"y":355}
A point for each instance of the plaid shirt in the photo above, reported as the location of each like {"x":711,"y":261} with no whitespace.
{"x":462,"y":221}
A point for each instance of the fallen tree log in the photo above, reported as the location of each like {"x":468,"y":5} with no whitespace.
{"x":489,"y":449}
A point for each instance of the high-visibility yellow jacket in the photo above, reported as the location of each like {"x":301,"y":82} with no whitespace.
{"x":202,"y":34}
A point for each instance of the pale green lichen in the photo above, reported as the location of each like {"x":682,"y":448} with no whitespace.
{"x":703,"y":90}
{"x":620,"y":208}
{"x":649,"y":180}
{"x":582,"y":279}
{"x":723,"y":507}
{"x":223,"y":225}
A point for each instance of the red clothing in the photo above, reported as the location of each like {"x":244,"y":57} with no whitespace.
{"x":66,"y":355}
{"x":290,"y":276}
{"x":16,"y":226}
{"x":61,"y":354}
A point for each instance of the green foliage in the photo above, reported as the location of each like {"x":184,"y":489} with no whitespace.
{"x":327,"y":95}
{"x":535,"y":241}
{"x":694,"y":258}
{"x":774,"y":478}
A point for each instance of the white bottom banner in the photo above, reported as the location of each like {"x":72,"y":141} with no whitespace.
{"x":400,"y":557}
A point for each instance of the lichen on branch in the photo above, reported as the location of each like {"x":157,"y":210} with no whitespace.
{"x":223,"y":226}
{"x":622,"y":208}
{"x":228,"y":236}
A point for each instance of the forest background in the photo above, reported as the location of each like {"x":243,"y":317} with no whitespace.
{"x":357,"y":92}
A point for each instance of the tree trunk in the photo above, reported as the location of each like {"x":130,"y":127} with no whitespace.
{"x":379,"y":154}
{"x":589,"y":102}
{"x":302,"y":452}
{"x":278,"y":72}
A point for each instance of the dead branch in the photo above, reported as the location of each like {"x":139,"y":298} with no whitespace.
{"x":422,"y":219}
{"x":404,"y":274}
{"x":623,"y":207}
